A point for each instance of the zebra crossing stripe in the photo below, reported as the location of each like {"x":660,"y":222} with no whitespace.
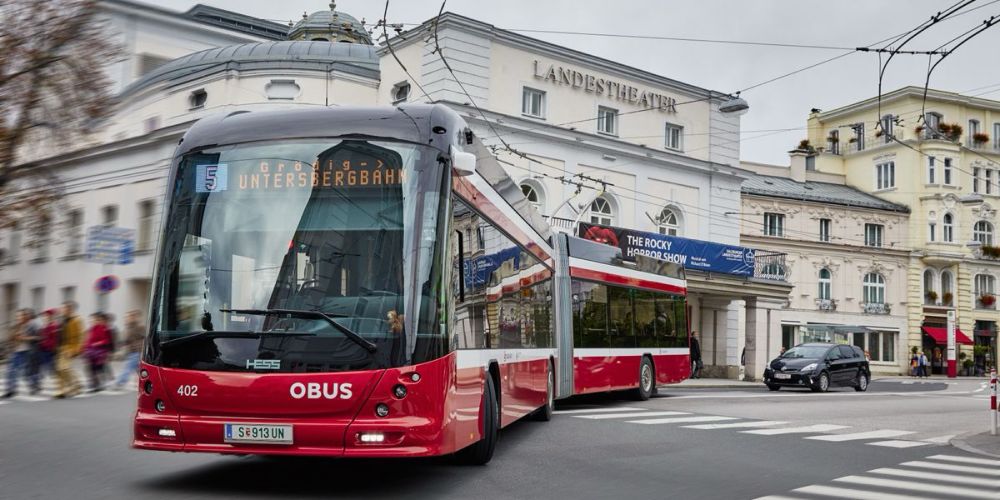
{"x":837,"y":438}
{"x":678,"y":420}
{"x":920,"y":486}
{"x":940,"y":439}
{"x":968,"y":460}
{"x":893,"y":443}
{"x":596,"y":410}
{"x":833,"y":491}
{"x":797,"y":430}
{"x":632,"y":415}
{"x":29,"y":399}
{"x":933,"y":476}
{"x":953,"y":468}
{"x":758,"y":423}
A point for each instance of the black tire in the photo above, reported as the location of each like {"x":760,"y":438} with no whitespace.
{"x":823,"y":384}
{"x":647,"y":380}
{"x":861,"y":385}
{"x":481,"y":452}
{"x":772,"y":387}
{"x":544,"y":414}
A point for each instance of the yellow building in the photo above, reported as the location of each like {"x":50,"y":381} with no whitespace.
{"x":940,"y":158}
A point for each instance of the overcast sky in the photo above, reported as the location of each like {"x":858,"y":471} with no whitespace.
{"x":974,"y":68}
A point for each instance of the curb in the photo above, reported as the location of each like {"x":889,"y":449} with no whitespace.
{"x":961,"y":443}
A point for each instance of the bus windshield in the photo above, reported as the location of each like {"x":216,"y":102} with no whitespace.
{"x":299,"y":256}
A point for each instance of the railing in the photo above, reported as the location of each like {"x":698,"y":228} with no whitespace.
{"x":875,"y":308}
{"x":769,"y":265}
{"x":826,"y":304}
{"x":562,"y":223}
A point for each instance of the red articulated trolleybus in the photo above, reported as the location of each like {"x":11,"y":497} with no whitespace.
{"x":368,"y":282}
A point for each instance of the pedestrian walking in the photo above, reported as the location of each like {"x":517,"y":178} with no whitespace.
{"x":134,"y":335}
{"x":695,"y":355}
{"x":914,"y":364}
{"x":95,"y":350}
{"x":113,"y":336}
{"x":49,"y":341}
{"x":24,"y":337}
{"x":921,"y":365}
{"x":69,"y":348}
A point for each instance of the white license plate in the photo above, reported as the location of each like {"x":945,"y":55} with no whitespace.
{"x":782,"y":376}
{"x":257,"y":433}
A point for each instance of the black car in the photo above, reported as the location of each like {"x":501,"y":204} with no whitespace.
{"x":819,"y":366}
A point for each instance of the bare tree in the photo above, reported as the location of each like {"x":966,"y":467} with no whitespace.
{"x":53,"y":88}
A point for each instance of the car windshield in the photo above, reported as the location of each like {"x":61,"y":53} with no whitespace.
{"x":342,"y":233}
{"x":805,"y":351}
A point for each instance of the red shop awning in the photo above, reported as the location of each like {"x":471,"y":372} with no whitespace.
{"x":940,"y":335}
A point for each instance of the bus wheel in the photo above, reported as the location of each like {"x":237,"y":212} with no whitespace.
{"x":647,"y":380}
{"x":544,"y":414}
{"x":480,"y":452}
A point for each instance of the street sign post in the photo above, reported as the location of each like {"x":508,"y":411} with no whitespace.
{"x":952,"y":360}
{"x":993,"y":402}
{"x":110,"y":245}
{"x":106,"y":284}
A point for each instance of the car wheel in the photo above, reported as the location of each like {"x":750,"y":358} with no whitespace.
{"x":480,"y":452}
{"x":647,"y":380}
{"x":772,"y":387}
{"x":544,"y":414}
{"x":823,"y":384}
{"x":862,"y":384}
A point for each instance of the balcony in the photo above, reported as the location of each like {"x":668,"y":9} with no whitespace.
{"x":828,"y":305}
{"x":986,"y":302}
{"x":875,"y":308}
{"x":769,"y":266}
{"x":559,"y":222}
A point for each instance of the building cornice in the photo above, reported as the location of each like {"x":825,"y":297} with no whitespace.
{"x":174,"y":18}
{"x":749,"y":194}
{"x":788,"y":244}
{"x":911,"y":91}
{"x":516,"y":40}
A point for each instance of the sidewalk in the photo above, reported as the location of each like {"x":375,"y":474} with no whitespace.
{"x":980,"y":444}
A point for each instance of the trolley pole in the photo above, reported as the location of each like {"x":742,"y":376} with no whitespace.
{"x":993,"y":402}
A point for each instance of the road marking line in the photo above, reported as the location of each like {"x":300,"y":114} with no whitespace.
{"x":794,"y":430}
{"x":778,"y":497}
{"x":632,"y":415}
{"x":953,"y":468}
{"x":893,"y":443}
{"x":968,"y":460}
{"x":919,"y":474}
{"x":29,"y":399}
{"x":680,"y":420}
{"x":759,"y":423}
{"x":919,"y":486}
{"x":940,"y":439}
{"x":596,"y":410}
{"x":884,"y":433}
{"x":833,"y":491}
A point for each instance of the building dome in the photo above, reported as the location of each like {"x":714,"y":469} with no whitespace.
{"x":353,"y":58}
{"x":330,"y":26}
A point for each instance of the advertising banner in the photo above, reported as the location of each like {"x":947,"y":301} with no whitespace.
{"x":692,"y":254}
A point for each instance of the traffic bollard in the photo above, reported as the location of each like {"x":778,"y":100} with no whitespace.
{"x":993,"y":402}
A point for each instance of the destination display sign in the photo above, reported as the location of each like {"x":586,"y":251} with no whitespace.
{"x":353,"y":166}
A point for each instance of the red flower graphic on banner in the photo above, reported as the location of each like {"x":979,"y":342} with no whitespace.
{"x":602,"y":235}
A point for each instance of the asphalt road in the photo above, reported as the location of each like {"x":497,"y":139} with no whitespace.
{"x":79,"y":449}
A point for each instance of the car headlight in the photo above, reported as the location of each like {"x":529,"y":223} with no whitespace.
{"x":810,"y":367}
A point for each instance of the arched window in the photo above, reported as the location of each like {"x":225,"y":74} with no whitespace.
{"x":601,"y":212}
{"x":668,"y":223}
{"x":930,"y":294}
{"x":983,"y":233}
{"x":874,"y":288}
{"x":947,"y":287}
{"x":825,"y":284}
{"x":533,"y":192}
{"x":948,"y":228}
{"x":985,"y":291}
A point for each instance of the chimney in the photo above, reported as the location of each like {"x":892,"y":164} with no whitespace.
{"x":798,"y":159}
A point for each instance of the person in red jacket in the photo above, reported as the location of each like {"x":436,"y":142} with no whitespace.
{"x":49,"y":342}
{"x":96,"y":351}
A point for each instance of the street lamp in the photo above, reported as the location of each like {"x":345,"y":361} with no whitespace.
{"x":735,"y":104}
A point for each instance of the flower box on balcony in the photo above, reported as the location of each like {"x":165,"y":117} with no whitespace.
{"x":986,"y":301}
{"x":980,"y":138}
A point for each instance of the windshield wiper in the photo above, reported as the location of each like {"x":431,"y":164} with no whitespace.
{"x":212,"y":333}
{"x":306,"y":314}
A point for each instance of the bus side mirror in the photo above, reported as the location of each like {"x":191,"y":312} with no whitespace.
{"x":463,"y":163}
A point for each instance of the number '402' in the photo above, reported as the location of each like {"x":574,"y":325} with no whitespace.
{"x":187,"y":390}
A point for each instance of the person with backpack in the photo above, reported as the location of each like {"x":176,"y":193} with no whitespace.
{"x":95,"y":350}
{"x":134,"y":335}
{"x":24,"y":336}
{"x":49,"y":341}
{"x":69,"y":347}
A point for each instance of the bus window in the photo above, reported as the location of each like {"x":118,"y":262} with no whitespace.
{"x":645,"y":318}
{"x":590,"y":325}
{"x":620,"y":307}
